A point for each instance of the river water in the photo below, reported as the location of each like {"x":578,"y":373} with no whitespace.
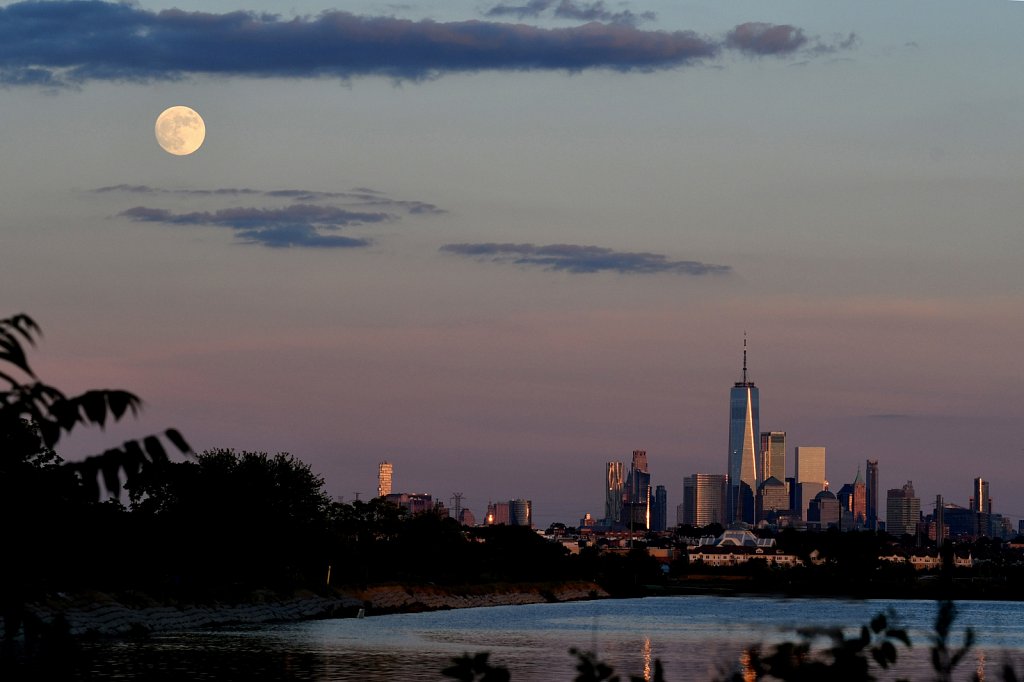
{"x":695,"y":637}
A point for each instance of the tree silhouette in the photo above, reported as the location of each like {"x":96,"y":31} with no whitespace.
{"x":34,"y":416}
{"x":44,"y":501}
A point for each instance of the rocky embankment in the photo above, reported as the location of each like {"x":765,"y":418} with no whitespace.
{"x":110,"y":616}
{"x":397,"y":599}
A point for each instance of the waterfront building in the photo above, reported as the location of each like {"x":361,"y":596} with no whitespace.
{"x":871,"y":494}
{"x":903,"y":510}
{"x":615,"y":488}
{"x":773,"y":455}
{"x":384,"y":472}
{"x":744,"y":428}
{"x":704,"y":499}
{"x":735,"y":547}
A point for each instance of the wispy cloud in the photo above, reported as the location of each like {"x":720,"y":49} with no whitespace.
{"x":299,"y":224}
{"x":570,"y":9}
{"x":69,"y":43}
{"x":759,"y":39}
{"x":360,"y":196}
{"x":248,"y":218}
{"x":576,"y":258}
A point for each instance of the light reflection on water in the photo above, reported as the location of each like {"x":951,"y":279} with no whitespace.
{"x":696,"y":638}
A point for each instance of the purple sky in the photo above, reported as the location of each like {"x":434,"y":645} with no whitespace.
{"x":499,"y":246}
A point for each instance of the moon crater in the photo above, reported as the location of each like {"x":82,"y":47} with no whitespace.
{"x":180,"y":130}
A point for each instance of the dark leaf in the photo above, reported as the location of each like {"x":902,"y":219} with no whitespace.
{"x":121,"y":401}
{"x":110,"y":464}
{"x":133,"y":451}
{"x":878,"y":623}
{"x":156,"y":452}
{"x":900,"y":634}
{"x":11,"y":349}
{"x":889,"y":653}
{"x":49,"y":431}
{"x":94,"y":404}
{"x":178,"y":440}
{"x":88,"y":470}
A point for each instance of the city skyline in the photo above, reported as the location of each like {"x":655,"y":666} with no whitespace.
{"x":529,"y":243}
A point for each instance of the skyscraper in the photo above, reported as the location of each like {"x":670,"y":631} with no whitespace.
{"x":980,"y":501}
{"x":772,"y":498}
{"x":520,"y":512}
{"x":638,"y":494}
{"x":940,"y":522}
{"x":859,"y":502}
{"x":810,"y":464}
{"x":659,"y":509}
{"x":615,"y":483}
{"x":704,"y":499}
{"x":902,"y":510}
{"x":809,"y":471}
{"x":384,"y":471}
{"x":871,"y":490}
{"x":743,"y":432}
{"x":773,"y":455}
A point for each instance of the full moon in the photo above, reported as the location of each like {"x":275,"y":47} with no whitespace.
{"x":180,"y":130}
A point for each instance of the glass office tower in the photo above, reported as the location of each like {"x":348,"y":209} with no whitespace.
{"x":743,"y":445}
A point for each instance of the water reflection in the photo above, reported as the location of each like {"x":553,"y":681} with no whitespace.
{"x":695,"y":638}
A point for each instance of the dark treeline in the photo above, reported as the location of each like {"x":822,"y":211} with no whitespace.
{"x":224,"y":523}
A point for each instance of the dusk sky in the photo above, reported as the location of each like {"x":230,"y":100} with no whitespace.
{"x":502,"y":243}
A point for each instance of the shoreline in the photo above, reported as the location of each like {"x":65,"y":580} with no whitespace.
{"x":107,"y":615}
{"x":104,"y":615}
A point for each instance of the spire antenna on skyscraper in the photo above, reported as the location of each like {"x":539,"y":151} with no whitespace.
{"x":744,"y":356}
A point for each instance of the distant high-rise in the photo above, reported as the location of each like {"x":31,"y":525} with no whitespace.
{"x":704,"y":499}
{"x":809,"y":471}
{"x":940,"y":522}
{"x":615,"y":483}
{"x":659,"y":509}
{"x":823,"y":511}
{"x":902,"y":510}
{"x":638,"y":493}
{"x":640,"y":460}
{"x":809,"y":466}
{"x":497,"y":513}
{"x":743,"y":433}
{"x":773,"y":455}
{"x":520,"y":513}
{"x":980,"y":501}
{"x":859,"y":502}
{"x":772,"y":499}
{"x":871,"y":492}
{"x":384,"y":471}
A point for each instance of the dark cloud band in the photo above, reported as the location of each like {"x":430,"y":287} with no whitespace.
{"x":583,"y":259}
{"x":570,"y":9}
{"x":300,"y":224}
{"x":67,"y":43}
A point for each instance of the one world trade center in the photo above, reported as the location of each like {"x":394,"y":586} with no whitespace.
{"x":743,"y":433}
